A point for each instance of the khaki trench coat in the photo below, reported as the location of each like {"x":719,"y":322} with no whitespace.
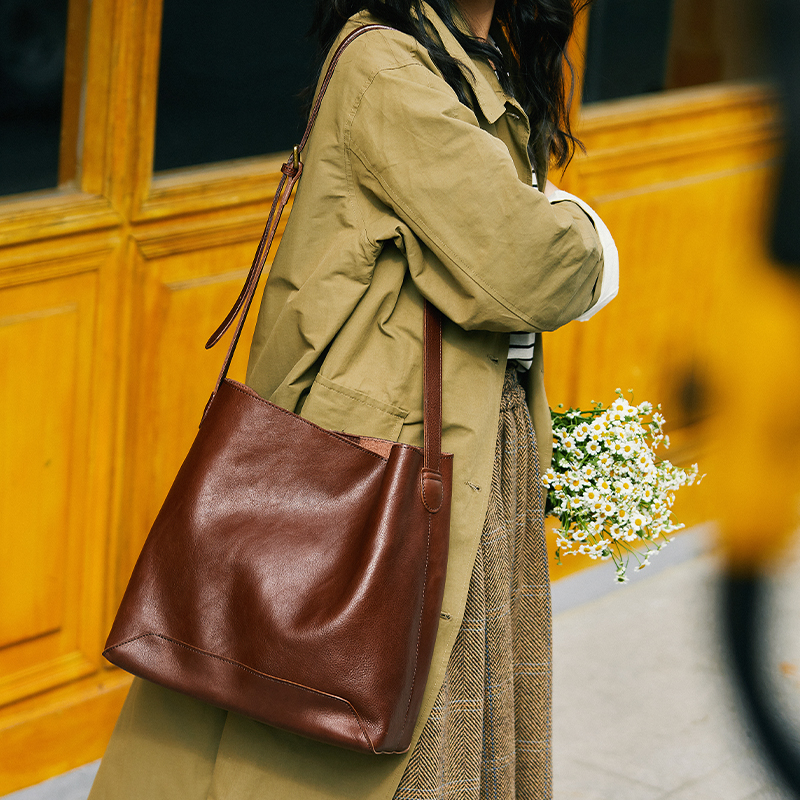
{"x":406,"y":194}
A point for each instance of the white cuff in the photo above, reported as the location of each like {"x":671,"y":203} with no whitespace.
{"x":610,"y":285}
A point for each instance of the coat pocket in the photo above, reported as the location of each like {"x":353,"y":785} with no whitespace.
{"x":339,"y":408}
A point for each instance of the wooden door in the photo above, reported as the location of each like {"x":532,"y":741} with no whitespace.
{"x":110,"y":283}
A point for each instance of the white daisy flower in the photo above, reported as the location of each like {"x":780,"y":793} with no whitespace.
{"x":596,"y":429}
{"x":581,"y":432}
{"x":625,"y":486}
{"x":595,"y":528}
{"x":628,"y":450}
{"x":575,"y":481}
{"x":639,"y":521}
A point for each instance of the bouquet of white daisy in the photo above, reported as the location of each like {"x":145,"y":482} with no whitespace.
{"x":612,"y":496}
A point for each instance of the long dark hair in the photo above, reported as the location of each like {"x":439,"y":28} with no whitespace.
{"x":532,"y":35}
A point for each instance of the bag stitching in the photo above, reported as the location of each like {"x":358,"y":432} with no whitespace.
{"x":252,"y":671}
{"x":421,"y":617}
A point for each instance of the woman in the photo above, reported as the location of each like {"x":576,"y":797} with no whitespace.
{"x":418,"y":185}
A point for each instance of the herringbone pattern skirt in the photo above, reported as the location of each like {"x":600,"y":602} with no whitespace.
{"x":488,"y":736}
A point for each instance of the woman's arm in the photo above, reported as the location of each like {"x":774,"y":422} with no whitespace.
{"x":505,"y":258}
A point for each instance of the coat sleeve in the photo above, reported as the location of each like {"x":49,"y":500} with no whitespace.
{"x":489,"y":250}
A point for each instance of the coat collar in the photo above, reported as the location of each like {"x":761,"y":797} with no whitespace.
{"x":492,"y":103}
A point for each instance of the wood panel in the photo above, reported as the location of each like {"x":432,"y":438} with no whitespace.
{"x":60,"y":285}
{"x":74,"y":79}
{"x":49,"y":570}
{"x":43,"y":739}
{"x":39,"y":432}
{"x":109,"y":286}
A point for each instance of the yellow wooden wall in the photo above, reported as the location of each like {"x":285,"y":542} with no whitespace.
{"x":684,"y":182}
{"x":110,"y":285}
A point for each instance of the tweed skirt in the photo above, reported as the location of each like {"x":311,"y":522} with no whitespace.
{"x":489,"y":734}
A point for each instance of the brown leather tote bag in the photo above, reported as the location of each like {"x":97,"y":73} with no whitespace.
{"x":295,"y":574}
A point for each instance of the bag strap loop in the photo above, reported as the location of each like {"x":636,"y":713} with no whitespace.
{"x":432,"y":356}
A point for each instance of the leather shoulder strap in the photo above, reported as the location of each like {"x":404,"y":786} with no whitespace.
{"x":292,"y":171}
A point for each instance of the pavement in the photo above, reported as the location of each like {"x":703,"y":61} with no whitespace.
{"x":642,"y":705}
{"x":643,"y":709}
